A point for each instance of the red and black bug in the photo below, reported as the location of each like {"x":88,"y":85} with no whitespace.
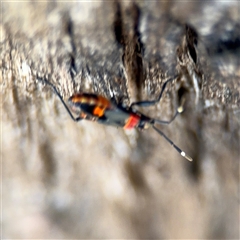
{"x":98,"y":108}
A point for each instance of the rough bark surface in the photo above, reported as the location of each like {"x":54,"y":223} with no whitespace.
{"x":62,"y":179}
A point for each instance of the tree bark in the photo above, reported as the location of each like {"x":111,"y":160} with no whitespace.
{"x":62,"y":179}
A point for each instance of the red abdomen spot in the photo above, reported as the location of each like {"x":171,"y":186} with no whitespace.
{"x":132,"y":121}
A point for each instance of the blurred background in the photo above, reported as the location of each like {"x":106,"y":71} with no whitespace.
{"x":62,"y":179}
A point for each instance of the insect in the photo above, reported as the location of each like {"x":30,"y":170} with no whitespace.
{"x":102,"y":110}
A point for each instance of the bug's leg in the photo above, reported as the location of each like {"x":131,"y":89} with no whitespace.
{"x":150,"y":103}
{"x":166,"y":122}
{"x":61,"y":99}
{"x":183,"y":154}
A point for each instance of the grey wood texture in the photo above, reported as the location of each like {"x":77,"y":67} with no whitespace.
{"x":62,"y":179}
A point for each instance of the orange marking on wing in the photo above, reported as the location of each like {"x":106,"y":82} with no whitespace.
{"x":98,"y":111}
{"x":103,"y":102}
{"x":79,"y":99}
{"x":99,"y":101}
{"x":132,"y":122}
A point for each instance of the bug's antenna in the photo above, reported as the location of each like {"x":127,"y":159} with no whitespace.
{"x":61,"y":99}
{"x":172,"y":143}
{"x":179,"y":110}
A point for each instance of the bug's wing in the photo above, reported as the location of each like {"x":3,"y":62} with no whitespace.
{"x":114,"y":117}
